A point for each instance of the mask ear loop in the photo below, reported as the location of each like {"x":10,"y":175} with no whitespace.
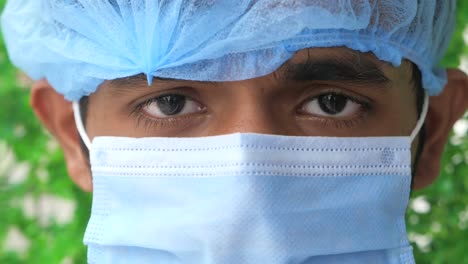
{"x":80,"y":126}
{"x":422,"y":118}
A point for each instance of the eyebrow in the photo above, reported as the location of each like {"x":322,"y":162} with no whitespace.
{"x":355,"y":69}
{"x":348,"y":67}
{"x":133,"y":81}
{"x":140,"y":82}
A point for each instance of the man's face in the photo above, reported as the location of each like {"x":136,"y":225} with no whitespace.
{"x":319,"y":92}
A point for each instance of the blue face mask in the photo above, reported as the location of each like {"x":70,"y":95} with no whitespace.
{"x":249,"y":198}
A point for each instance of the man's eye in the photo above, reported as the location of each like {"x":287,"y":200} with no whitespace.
{"x":331,"y":105}
{"x":171,"y":105}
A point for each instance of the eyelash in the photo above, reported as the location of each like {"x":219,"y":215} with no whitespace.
{"x":151,"y":123}
{"x":326,"y":122}
{"x":339,"y":123}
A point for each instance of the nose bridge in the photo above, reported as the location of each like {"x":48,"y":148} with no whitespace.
{"x":252,"y":123}
{"x":253,"y":117}
{"x":255,"y":108}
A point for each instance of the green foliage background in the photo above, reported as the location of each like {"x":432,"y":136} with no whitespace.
{"x":437,"y":217}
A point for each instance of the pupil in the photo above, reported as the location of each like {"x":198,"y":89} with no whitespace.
{"x":332,"y":104}
{"x":171,"y":104}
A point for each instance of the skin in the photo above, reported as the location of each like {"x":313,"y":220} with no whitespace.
{"x":271,"y":104}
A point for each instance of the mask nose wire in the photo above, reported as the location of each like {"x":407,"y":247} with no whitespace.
{"x":87,"y":141}
{"x":422,"y":118}
{"x":80,"y":125}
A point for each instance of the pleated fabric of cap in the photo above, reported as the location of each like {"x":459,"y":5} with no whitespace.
{"x":78,"y":44}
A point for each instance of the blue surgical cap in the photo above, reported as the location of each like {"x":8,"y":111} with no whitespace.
{"x":78,"y":44}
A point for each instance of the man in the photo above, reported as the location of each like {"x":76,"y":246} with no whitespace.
{"x":243,"y":131}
